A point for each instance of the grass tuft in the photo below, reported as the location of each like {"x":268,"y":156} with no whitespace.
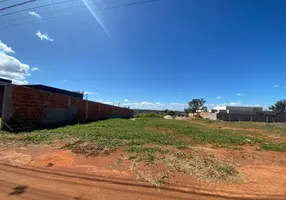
{"x":274,"y":147}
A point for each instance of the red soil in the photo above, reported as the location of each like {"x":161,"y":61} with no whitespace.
{"x":47,"y":173}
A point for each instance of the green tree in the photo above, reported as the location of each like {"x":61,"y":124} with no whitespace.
{"x":279,"y":108}
{"x":195,"y":105}
{"x":170,"y":112}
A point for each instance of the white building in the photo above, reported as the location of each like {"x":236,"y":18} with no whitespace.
{"x":237,"y":110}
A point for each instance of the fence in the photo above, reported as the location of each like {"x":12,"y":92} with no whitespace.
{"x":241,"y":117}
{"x":40,"y":107}
{"x":250,"y":118}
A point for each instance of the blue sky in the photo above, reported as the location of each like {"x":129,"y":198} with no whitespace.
{"x":153,"y":55}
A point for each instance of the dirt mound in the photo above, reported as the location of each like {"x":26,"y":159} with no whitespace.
{"x":91,"y":150}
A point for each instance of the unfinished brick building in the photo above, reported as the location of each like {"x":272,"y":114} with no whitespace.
{"x":25,"y":107}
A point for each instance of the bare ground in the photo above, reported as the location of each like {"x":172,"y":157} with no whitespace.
{"x":43,"y":172}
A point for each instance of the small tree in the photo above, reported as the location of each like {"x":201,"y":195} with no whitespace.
{"x":170,"y":112}
{"x":195,"y":105}
{"x":279,"y":108}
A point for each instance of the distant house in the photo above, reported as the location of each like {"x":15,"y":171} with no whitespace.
{"x":239,"y":110}
{"x":240,"y":113}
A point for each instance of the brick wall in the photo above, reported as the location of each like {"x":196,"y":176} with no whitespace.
{"x":38,"y":107}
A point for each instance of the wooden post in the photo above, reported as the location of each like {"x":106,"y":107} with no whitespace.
{"x":267,"y":120}
{"x":251,"y":118}
{"x":239,"y":118}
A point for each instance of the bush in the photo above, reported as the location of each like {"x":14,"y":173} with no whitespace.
{"x":154,"y":115}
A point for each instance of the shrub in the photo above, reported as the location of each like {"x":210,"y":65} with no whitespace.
{"x":153,"y":115}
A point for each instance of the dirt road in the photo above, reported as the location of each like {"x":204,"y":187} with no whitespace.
{"x":47,"y":173}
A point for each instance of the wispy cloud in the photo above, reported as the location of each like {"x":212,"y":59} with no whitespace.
{"x":93,"y":9}
{"x":237,"y":103}
{"x":219,"y":97}
{"x":152,"y":105}
{"x":33,"y":13}
{"x":276,"y":86}
{"x":239,"y":94}
{"x":44,"y":36}
{"x":35,"y":69}
{"x":65,"y":81}
{"x":5,"y":48}
{"x":90,"y":93}
{"x":126,"y":100}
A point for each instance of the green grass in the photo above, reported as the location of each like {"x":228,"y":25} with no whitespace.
{"x":136,"y":134}
{"x":274,"y":147}
{"x":152,"y":115}
{"x":157,"y":140}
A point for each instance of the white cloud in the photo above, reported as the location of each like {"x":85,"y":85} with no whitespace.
{"x":65,"y":81}
{"x":237,"y":103}
{"x":126,"y":100}
{"x":5,"y":48}
{"x":234,"y":103}
{"x":219,"y":97}
{"x":44,"y":36}
{"x":239,"y":94}
{"x":33,"y":13}
{"x":276,"y":86}
{"x":35,"y":69}
{"x":152,"y":106}
{"x":13,"y":69}
{"x":89,"y":93}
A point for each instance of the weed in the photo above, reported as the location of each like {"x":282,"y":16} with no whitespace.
{"x":212,"y":155}
{"x":202,"y":167}
{"x":225,"y":169}
{"x":162,"y":180}
{"x":118,"y":161}
{"x":237,"y":148}
{"x":274,"y":147}
{"x":36,"y":138}
{"x":180,"y":134}
{"x":146,"y":115}
{"x":132,"y":157}
{"x":181,"y":146}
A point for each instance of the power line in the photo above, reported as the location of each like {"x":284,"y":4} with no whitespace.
{"x":22,"y":19}
{"x":127,"y":4}
{"x":53,"y":10}
{"x":18,"y":4}
{"x":42,"y":6}
{"x":3,"y":1}
{"x":22,"y":16}
{"x":102,"y":9}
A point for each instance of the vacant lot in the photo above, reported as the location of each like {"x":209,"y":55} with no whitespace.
{"x":224,"y":158}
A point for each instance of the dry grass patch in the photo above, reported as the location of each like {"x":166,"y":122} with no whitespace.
{"x":156,"y":179}
{"x":89,"y":149}
{"x":204,"y":167}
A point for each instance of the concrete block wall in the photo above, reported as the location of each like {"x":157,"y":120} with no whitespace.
{"x":206,"y":115}
{"x":43,"y":107}
{"x":243,"y":117}
{"x":248,"y":118}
